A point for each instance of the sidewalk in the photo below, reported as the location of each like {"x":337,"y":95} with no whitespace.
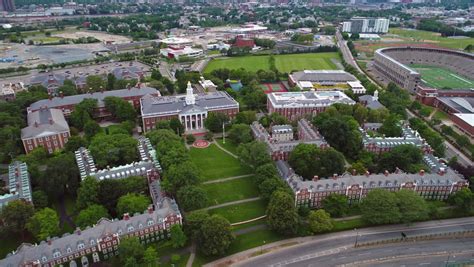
{"x":232,"y":203}
{"x":227,"y":179}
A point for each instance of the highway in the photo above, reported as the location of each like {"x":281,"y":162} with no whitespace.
{"x":338,"y":249}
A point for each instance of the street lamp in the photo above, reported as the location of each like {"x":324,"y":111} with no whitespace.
{"x":357,"y":236}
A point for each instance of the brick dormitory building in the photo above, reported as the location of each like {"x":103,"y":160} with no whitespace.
{"x":100,"y":241}
{"x":437,"y":185}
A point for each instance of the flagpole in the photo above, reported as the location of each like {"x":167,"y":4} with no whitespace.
{"x":223,"y":134}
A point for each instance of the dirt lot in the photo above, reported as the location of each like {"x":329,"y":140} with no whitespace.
{"x":98,"y":35}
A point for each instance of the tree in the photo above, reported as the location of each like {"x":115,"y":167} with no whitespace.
{"x":282,"y":216}
{"x":132,"y":203}
{"x":130,"y":247}
{"x":463,"y":200}
{"x":215,"y":236}
{"x":337,"y":205}
{"x":253,"y":154}
{"x":380,"y":207}
{"x":43,"y":224}
{"x":215,"y":120}
{"x":150,"y":257}
{"x":270,"y":185}
{"x":406,"y":157}
{"x":178,"y":238}
{"x":83,"y":112}
{"x":412,"y":206}
{"x":180,"y":175}
{"x":320,"y":221}
{"x":309,"y":160}
{"x":265,"y":171}
{"x":194,"y":221}
{"x":246,"y":117}
{"x":240,"y":133}
{"x":95,"y":83}
{"x":113,"y":150}
{"x":90,"y":215}
{"x":91,"y":128}
{"x":74,"y":143}
{"x":61,"y":174}
{"x":110,"y":190}
{"x":16,"y":214}
{"x":40,"y":199}
{"x":177,"y":126}
{"x":121,"y":109}
{"x":391,"y":126}
{"x":87,"y":194}
{"x":110,"y":81}
{"x":192,"y":197}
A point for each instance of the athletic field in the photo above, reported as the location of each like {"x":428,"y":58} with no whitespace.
{"x":442,"y":78}
{"x":284,"y":63}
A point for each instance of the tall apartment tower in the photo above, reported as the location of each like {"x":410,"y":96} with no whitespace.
{"x":366,"y":25}
{"x":7,"y":5}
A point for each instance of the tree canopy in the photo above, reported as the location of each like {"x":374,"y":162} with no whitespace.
{"x":282,"y":216}
{"x":309,"y":160}
{"x":43,"y":224}
{"x":90,"y":215}
{"x":113,"y":150}
{"x":320,"y":221}
{"x":215,"y":236}
{"x":132,"y":203}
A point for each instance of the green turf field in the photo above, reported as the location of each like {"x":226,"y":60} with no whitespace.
{"x":242,"y":212}
{"x":442,"y":78}
{"x":284,"y":63}
{"x":431,"y":37}
{"x":232,"y":190}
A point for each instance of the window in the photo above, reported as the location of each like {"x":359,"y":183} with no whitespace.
{"x":44,"y":259}
{"x":54,"y":137}
{"x":65,"y":134}
{"x":30,"y":147}
{"x":130,"y":228}
{"x":80,"y":246}
{"x":47,"y":138}
{"x":56,"y":254}
{"x":28,"y":141}
{"x":55,"y":143}
{"x":69,"y":250}
{"x":92,"y":242}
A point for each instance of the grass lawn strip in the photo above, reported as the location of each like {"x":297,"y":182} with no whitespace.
{"x":242,"y":212}
{"x":239,"y":189}
{"x":216,"y":164}
{"x":229,"y":145}
{"x":284,"y":63}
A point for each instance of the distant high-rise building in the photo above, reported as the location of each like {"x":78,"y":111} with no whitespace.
{"x":7,"y":5}
{"x":366,"y":25}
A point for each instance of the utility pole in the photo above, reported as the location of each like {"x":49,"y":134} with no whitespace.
{"x":223,"y":134}
{"x":357,"y":236}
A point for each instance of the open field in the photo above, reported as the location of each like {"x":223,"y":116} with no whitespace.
{"x":442,"y":78}
{"x":233,"y":190}
{"x":284,"y":63}
{"x":229,"y":145}
{"x":242,"y":212}
{"x":405,"y":37}
{"x":216,"y":164}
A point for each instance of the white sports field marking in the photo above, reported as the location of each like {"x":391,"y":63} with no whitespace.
{"x":464,"y":80}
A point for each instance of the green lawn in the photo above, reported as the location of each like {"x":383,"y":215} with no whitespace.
{"x":241,"y":243}
{"x":442,"y":78}
{"x":233,"y":190}
{"x":216,"y":164}
{"x":348,"y":225}
{"x":229,"y":145}
{"x":313,"y":61}
{"x":242,"y":212}
{"x":284,"y":63}
{"x":431,"y":37}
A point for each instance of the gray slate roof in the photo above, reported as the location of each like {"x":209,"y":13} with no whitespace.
{"x":44,"y":122}
{"x":321,"y":76}
{"x":127,"y":73}
{"x":371,"y":102}
{"x":19,"y":185}
{"x":165,"y":105}
{"x":76,"y":99}
{"x":89,"y":236}
{"x":47,"y":79}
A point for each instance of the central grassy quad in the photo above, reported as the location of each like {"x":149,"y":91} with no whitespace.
{"x":284,"y":63}
{"x":228,"y":191}
{"x":214,"y":163}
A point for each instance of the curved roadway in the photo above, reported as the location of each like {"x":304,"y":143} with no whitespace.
{"x":337,"y":249}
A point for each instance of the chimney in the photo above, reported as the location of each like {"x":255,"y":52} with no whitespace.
{"x":385,"y":173}
{"x":315,"y":178}
{"x":126,"y":216}
{"x":442,"y":171}
{"x":51,"y":121}
{"x":354,"y":172}
{"x":61,"y":94}
{"x":50,"y":97}
{"x":367,"y":173}
{"x":334,"y":176}
{"x":422,"y":172}
{"x":78,"y":231}
{"x":36,"y":124}
{"x":150,"y":209}
{"x":397,"y":170}
{"x":49,"y":240}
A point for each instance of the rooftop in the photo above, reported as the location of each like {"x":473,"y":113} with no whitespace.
{"x":44,"y":122}
{"x":323,"y":76}
{"x":309,"y":99}
{"x":466,"y":117}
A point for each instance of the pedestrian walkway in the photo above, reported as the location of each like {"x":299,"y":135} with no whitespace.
{"x":225,"y":150}
{"x":227,"y":179}
{"x":232,"y":203}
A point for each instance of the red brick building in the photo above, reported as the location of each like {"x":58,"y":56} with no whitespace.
{"x":464,"y":122}
{"x":47,"y":128}
{"x":191,"y":109}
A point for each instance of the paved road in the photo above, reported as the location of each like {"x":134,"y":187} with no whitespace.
{"x":320,"y":250}
{"x":451,"y":151}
